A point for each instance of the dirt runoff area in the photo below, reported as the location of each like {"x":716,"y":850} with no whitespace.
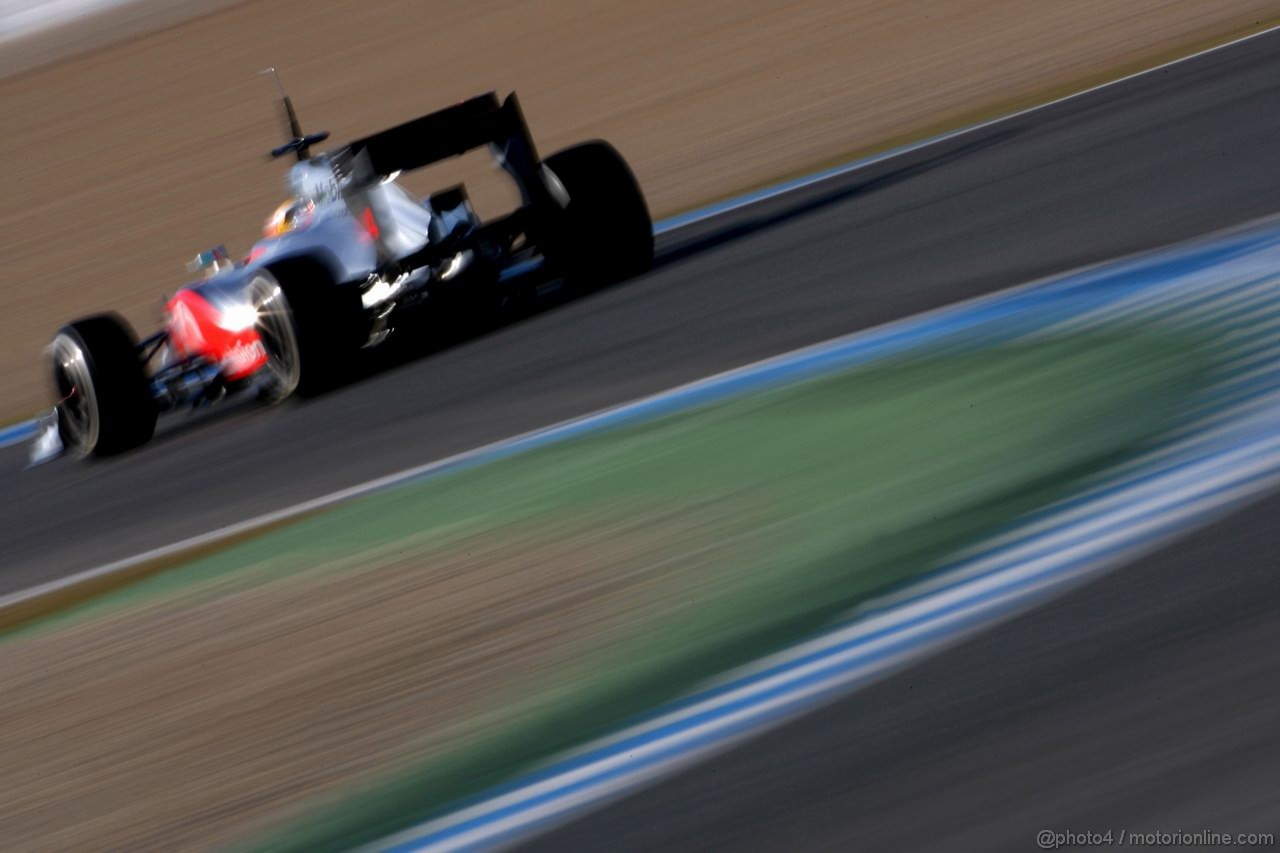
{"x":189,"y":721}
{"x":125,"y":160}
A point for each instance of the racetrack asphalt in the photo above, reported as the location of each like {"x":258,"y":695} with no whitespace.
{"x":1163,"y":665}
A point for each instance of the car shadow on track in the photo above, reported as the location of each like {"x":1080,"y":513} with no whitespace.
{"x":807,"y":205}
{"x":671,"y":251}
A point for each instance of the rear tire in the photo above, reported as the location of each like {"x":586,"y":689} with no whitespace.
{"x":105,"y":405}
{"x":604,"y":233}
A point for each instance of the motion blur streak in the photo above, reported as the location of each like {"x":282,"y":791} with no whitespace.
{"x":18,"y":19}
{"x":1224,"y":288}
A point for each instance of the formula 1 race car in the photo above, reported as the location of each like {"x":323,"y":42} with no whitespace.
{"x":350,"y":257}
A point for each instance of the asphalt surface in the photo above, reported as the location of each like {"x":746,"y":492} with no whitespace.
{"x":1163,"y":666}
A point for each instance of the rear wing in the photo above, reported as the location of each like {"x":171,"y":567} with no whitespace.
{"x":362,"y":165}
{"x":448,"y":133}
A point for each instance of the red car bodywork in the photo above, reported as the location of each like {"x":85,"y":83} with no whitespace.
{"x":197,"y":329}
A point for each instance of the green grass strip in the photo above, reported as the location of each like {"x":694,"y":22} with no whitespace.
{"x":827,"y":492}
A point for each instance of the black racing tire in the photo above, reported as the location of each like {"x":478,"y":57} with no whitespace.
{"x":603,"y":233}
{"x":105,"y":405}
{"x":276,"y":330}
{"x":326,"y":323}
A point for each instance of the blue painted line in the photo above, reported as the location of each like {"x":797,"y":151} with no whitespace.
{"x":1048,"y":550}
{"x":1210,"y":297}
{"x":18,"y":433}
{"x":1238,"y":391}
{"x":1240,"y":387}
{"x":1255,"y":344}
{"x":711,"y":211}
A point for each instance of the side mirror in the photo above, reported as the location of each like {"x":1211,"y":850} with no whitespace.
{"x":211,"y":262}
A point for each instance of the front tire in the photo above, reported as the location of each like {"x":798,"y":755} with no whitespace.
{"x":276,"y":329}
{"x":603,"y":233}
{"x":105,"y":405}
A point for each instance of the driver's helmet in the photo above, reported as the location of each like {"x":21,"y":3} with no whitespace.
{"x":287,"y":217}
